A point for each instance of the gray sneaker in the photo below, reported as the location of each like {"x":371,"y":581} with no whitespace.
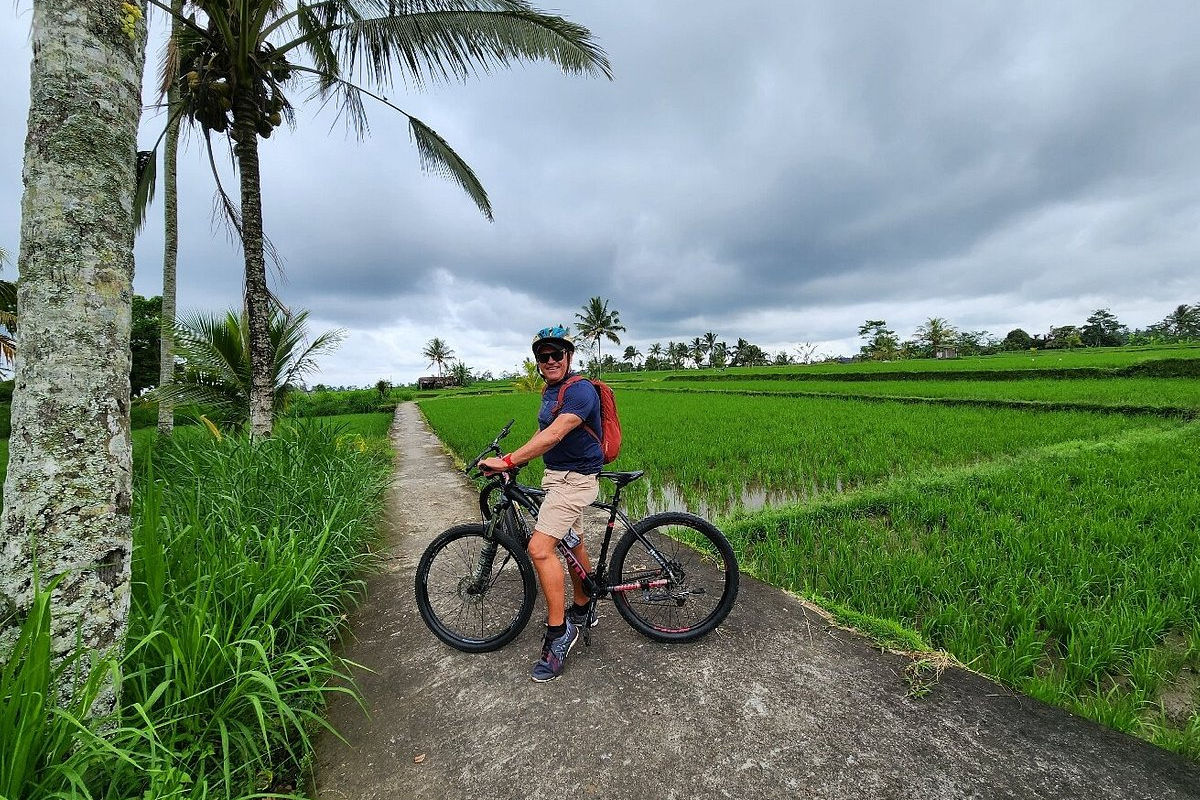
{"x":580,"y":618}
{"x":554,"y":654}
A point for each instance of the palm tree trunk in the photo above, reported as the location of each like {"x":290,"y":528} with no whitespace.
{"x":257,"y":296}
{"x":68,"y":491}
{"x":166,"y":359}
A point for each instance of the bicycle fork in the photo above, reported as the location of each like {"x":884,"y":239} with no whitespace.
{"x":483,"y":568}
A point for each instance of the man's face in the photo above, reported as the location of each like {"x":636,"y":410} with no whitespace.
{"x":553,"y":362}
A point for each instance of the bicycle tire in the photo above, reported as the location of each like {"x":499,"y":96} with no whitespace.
{"x":680,"y":611}
{"x":461,"y":608}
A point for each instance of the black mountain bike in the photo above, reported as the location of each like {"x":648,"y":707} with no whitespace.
{"x":673,"y":576}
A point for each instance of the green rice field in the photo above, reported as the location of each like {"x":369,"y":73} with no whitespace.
{"x":1057,"y":551}
{"x":1179,"y":393}
{"x":802,"y":447}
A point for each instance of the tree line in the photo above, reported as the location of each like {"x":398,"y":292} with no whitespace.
{"x":937,"y":336}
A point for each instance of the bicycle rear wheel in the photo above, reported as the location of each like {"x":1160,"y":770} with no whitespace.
{"x":690,"y":597}
{"x":476,"y":594}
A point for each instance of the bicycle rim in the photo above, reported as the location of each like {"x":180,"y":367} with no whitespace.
{"x":689,"y":597}
{"x":470,"y":597}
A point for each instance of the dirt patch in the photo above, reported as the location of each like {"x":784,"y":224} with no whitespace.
{"x":1180,"y":697}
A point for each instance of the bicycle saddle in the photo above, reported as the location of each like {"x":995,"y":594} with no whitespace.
{"x":622,"y":478}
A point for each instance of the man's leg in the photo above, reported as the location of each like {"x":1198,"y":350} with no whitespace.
{"x":549,"y":572}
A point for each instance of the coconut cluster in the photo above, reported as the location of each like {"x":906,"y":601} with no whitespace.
{"x":207,"y":87}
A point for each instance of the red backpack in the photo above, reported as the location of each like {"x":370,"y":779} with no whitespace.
{"x":610,"y":424}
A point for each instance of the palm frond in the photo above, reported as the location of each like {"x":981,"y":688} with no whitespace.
{"x":437,"y":156}
{"x":447,"y":40}
{"x":143,"y":195}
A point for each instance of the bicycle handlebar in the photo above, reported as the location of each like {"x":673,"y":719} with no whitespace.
{"x":494,"y":447}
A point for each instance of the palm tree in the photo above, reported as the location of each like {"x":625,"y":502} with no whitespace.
{"x":1184,"y":321}
{"x":438,"y":352}
{"x":234,"y":69}
{"x":719,"y":356}
{"x":936,"y":333}
{"x":166,"y":359}
{"x":597,"y":322}
{"x":739,"y":352}
{"x":710,"y":342}
{"x":69,"y":465}
{"x":679,"y":354}
{"x":696,"y":352}
{"x":216,"y":354}
{"x":632,"y":354}
{"x":655,"y":352}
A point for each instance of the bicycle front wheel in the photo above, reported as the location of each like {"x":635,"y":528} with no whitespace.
{"x":684,"y":592}
{"x":476,"y":594}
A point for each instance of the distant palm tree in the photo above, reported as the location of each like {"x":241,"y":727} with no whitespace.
{"x":632,"y":354}
{"x":719,"y":356}
{"x":710,"y":342}
{"x":936,"y":333}
{"x":236,"y":62}
{"x":739,"y":352}
{"x":656,"y":353}
{"x":696,"y":352}
{"x":1184,"y":321}
{"x":597,"y":322}
{"x":438,"y":352}
{"x":679,"y":354}
{"x":216,"y":361}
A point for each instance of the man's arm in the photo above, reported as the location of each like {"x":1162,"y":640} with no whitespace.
{"x":537,"y":446}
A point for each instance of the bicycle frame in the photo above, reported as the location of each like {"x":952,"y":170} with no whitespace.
{"x":527,"y":498}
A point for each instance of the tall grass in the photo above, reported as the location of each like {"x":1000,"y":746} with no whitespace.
{"x":245,"y":559}
{"x":1072,"y":574}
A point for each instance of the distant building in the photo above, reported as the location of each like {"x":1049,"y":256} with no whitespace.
{"x":946,"y":352}
{"x":436,"y":382}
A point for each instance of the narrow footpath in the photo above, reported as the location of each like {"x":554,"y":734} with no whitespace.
{"x":776,"y":703}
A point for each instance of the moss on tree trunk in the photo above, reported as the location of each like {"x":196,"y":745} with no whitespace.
{"x":67,"y":494}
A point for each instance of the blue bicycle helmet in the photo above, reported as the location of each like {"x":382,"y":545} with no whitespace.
{"x":557,"y":335}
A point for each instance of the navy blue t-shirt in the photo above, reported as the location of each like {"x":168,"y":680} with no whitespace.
{"x":579,"y":451}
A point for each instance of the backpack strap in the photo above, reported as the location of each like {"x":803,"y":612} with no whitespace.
{"x":562,"y":393}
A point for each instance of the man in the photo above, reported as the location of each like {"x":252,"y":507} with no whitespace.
{"x":569,"y":444}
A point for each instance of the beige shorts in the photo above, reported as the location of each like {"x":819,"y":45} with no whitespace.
{"x":567,"y":495}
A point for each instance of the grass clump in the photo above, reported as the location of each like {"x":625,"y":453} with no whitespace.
{"x":245,"y":560}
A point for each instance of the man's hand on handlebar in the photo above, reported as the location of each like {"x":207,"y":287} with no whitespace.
{"x":494,"y":465}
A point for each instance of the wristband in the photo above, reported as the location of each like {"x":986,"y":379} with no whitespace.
{"x":508,"y":462}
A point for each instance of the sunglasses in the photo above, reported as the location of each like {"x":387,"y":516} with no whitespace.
{"x":550,"y":355}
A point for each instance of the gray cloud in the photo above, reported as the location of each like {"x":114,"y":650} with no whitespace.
{"x":776,"y":171}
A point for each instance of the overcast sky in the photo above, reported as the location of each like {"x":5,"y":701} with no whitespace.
{"x":777,"y":170}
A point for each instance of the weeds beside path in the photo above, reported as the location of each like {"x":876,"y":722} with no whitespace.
{"x":775,"y":703}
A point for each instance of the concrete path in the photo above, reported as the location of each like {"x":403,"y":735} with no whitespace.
{"x":776,"y":703}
